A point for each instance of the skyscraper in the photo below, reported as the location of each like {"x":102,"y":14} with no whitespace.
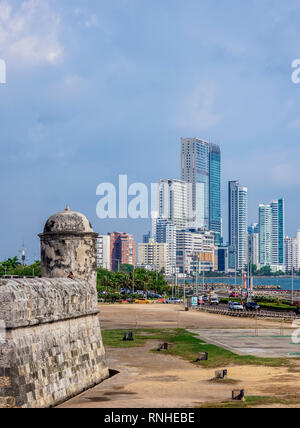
{"x":298,"y":248}
{"x":238,"y":220}
{"x":271,"y":234}
{"x":278,"y":232}
{"x":201,"y":168}
{"x":164,"y":231}
{"x":290,"y":254}
{"x":103,"y":252}
{"x":253,"y":243}
{"x":173,"y":202}
{"x":215,"y":223}
{"x":146,"y":238}
{"x":265,"y":235}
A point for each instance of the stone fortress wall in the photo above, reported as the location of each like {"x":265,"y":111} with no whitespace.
{"x":52,"y":349}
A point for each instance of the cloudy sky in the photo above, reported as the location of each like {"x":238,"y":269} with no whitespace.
{"x":98,"y":88}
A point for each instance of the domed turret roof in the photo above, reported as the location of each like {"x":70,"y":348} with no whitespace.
{"x":68,"y":221}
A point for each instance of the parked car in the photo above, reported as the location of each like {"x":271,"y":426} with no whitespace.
{"x":200,"y":301}
{"x":234,"y":294}
{"x":173,"y":301}
{"x":143,"y":302}
{"x":252,"y":306}
{"x":125,"y":291}
{"x":236,"y":306}
{"x":154,"y":296}
{"x":214,"y":301}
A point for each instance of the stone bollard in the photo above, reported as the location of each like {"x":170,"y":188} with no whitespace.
{"x":202,"y":356}
{"x":238,"y":395}
{"x":221,"y":374}
{"x":128,"y":337}
{"x":163,"y":347}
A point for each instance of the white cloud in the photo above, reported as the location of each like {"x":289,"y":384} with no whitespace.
{"x":29,"y":32}
{"x":295,"y":123}
{"x":286,"y":174}
{"x":198,"y":108}
{"x":89,"y":20}
{"x":278,"y":169}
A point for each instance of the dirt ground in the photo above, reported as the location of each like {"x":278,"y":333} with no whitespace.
{"x":148,"y":380}
{"x":170,"y":316}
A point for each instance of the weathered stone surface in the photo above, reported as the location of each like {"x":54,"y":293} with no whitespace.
{"x":25,"y":302}
{"x":62,"y":255}
{"x":68,"y":245}
{"x":68,"y":221}
{"x":47,"y":364}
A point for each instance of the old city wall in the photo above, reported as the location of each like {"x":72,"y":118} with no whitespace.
{"x":52,"y":348}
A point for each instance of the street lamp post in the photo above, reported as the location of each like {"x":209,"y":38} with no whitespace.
{"x":197,"y":274}
{"x":235,"y":266}
{"x":292,"y":274}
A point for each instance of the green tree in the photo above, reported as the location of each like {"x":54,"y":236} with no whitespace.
{"x":139,"y":279}
{"x":13,"y":267}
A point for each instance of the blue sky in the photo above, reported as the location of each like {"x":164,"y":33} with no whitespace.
{"x":100,"y":88}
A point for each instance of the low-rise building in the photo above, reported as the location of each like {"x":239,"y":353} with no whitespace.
{"x":196,"y":251}
{"x":154,"y":254}
{"x":122,"y":250}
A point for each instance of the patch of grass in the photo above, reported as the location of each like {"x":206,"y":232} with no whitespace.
{"x":187,"y":346}
{"x":252,"y":401}
{"x":114,"y":338}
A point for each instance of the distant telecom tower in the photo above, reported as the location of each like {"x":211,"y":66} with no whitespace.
{"x":23,"y":257}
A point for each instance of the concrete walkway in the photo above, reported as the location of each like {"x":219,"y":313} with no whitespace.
{"x":269,"y":343}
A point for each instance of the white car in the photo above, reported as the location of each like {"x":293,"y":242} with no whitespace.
{"x":214,"y":301}
{"x":235,"y":306}
{"x":173,"y":301}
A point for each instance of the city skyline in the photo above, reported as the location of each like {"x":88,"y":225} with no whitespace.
{"x":166,"y":185}
{"x":185,"y":210}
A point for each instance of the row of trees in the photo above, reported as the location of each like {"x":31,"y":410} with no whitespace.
{"x":267,"y":271}
{"x":14,"y":267}
{"x":132,"y":279}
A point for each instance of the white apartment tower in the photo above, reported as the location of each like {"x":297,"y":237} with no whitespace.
{"x":265,"y":235}
{"x":271,"y":235}
{"x":238,"y":221}
{"x":298,"y":247}
{"x":291,"y":254}
{"x":103,"y":252}
{"x":164,"y":232}
{"x":173,"y":202}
